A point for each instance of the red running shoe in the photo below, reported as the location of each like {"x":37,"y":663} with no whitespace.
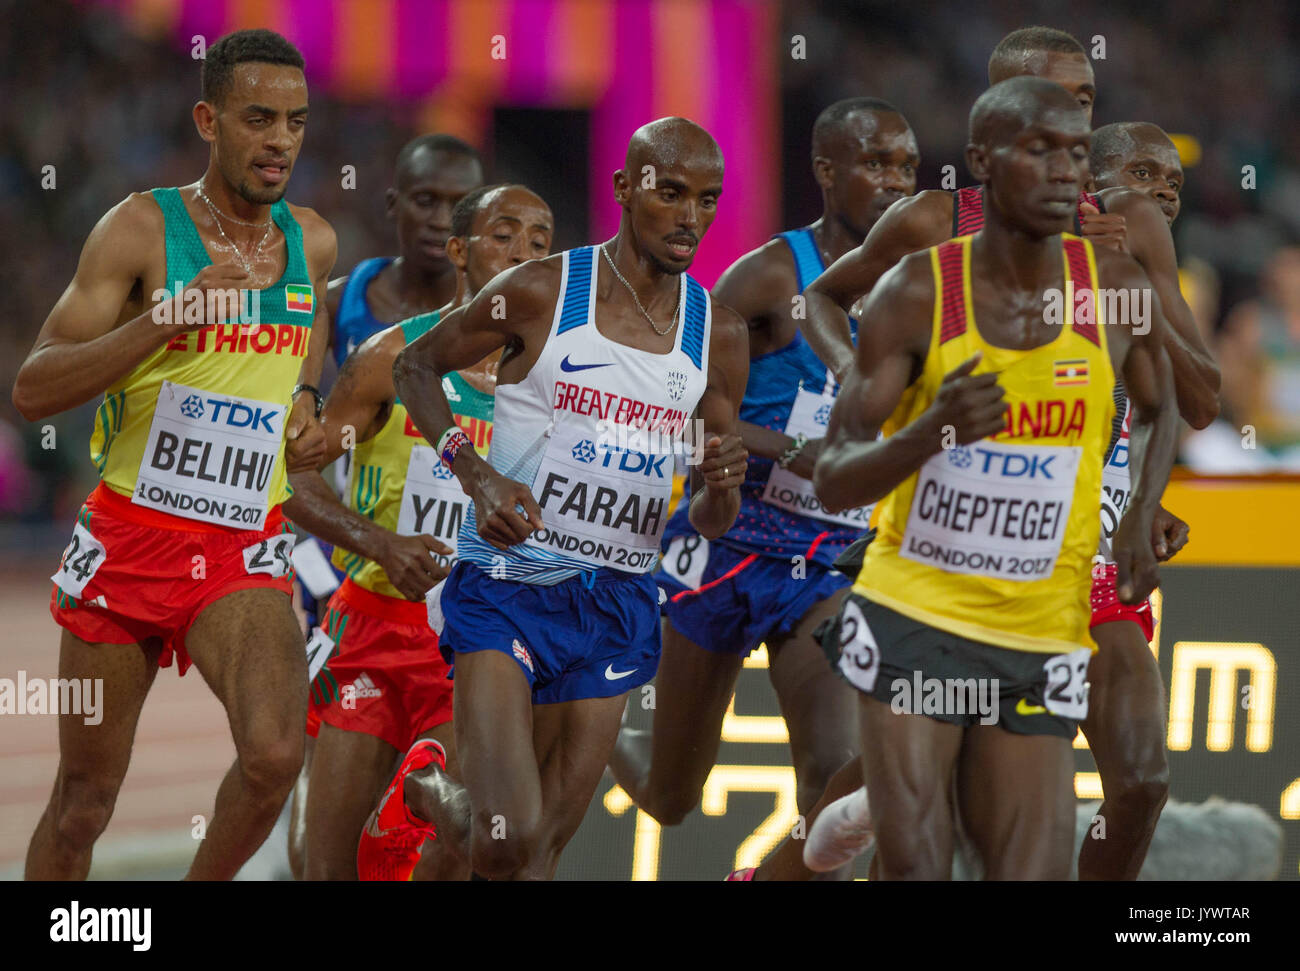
{"x":745,"y":874}
{"x":390,"y":843}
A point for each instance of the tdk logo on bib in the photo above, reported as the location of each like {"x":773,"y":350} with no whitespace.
{"x":632,"y":461}
{"x":629,"y":460}
{"x":440,"y":471}
{"x":231,"y":414}
{"x":1015,"y":465}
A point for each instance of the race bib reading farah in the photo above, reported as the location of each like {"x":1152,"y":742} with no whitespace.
{"x":787,"y":491}
{"x":432,"y":500}
{"x":601,"y":504}
{"x":993,"y":509}
{"x":210,"y":456}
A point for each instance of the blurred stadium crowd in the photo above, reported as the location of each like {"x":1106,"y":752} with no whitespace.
{"x":110,"y":111}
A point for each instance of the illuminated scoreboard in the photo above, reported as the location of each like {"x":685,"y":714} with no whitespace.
{"x":1227,"y":644}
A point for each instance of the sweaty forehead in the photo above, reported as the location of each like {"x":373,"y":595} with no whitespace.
{"x":279,"y":86}
{"x":686,"y":152}
{"x":1067,"y":121}
{"x":520,"y":205}
{"x":1070,"y":71}
{"x":699,"y":172}
{"x":867,"y":131}
{"x":429,"y":170}
{"x":1155,"y":145}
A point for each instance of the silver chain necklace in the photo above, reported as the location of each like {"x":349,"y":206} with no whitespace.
{"x":661,"y":333}
{"x":246,"y":263}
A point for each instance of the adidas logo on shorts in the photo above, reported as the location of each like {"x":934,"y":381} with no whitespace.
{"x":363,"y":687}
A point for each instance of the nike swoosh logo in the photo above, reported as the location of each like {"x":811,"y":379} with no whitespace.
{"x":566,"y":366}
{"x":612,"y":675}
{"x":1026,"y":709}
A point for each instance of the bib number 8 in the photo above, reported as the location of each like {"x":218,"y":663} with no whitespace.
{"x":1066,"y":693}
{"x":685,"y":559}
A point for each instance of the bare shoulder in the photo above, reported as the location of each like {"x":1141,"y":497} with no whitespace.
{"x":768,"y":265}
{"x":319,"y":241}
{"x":384,"y":345}
{"x":910,"y":281}
{"x":368,"y":371}
{"x":1117,"y":270}
{"x":138,"y":212}
{"x":131,"y":231}
{"x":912,"y":223}
{"x":727,"y":328}
{"x":536,"y":282}
{"x":1123,"y":200}
{"x":928,"y":214}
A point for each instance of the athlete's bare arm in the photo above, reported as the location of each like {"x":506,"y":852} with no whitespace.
{"x":716,"y":480}
{"x":304,"y":440}
{"x":513,"y":311}
{"x":103,"y":326}
{"x":1153,"y":434}
{"x":333,"y":298}
{"x":911,"y":224}
{"x":358,"y":406}
{"x":893,"y":339}
{"x":1196,"y":376}
{"x":759,"y":287}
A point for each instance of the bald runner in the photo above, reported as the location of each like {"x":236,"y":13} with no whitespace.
{"x":550,"y":614}
{"x":978,"y":577}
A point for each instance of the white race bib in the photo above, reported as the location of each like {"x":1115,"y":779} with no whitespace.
{"x":685,"y":559}
{"x":272,"y":556}
{"x":433,"y":502}
{"x":1116,"y":486}
{"x":859,"y":653}
{"x":319,"y":649}
{"x":210,"y":457}
{"x":80,"y":562}
{"x":601,"y":504}
{"x":993,"y":509}
{"x":433,"y":608}
{"x":787,"y":491}
{"x":312,"y":567}
{"x":1066,"y":693}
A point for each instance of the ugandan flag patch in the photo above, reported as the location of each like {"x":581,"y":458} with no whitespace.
{"x":298,"y":298}
{"x":1074,"y":371}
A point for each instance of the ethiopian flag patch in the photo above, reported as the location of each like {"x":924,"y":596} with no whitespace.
{"x":298,"y":298}
{"x":1071,"y":372}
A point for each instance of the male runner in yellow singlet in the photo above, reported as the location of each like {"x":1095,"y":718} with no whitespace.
{"x":996,"y":420}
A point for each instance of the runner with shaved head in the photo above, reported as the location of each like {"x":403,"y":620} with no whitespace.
{"x":769,"y":579}
{"x":981,"y":570}
{"x":550,"y":615}
{"x":1132,"y":222}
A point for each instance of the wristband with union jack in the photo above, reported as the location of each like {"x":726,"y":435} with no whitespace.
{"x":449,"y":446}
